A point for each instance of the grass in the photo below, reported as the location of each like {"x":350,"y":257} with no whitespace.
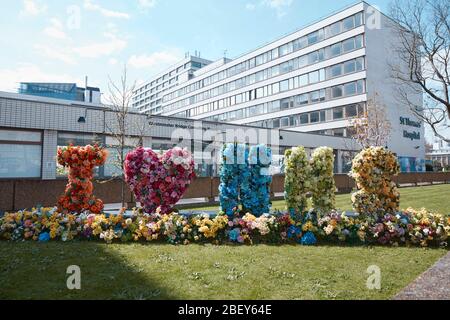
{"x":435,"y":198}
{"x":30,"y":270}
{"x":158,"y":271}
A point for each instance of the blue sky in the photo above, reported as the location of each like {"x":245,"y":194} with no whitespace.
{"x":63,"y":41}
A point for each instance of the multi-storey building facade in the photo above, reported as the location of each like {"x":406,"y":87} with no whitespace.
{"x":313,"y":80}
{"x":440,"y":155}
{"x":147,"y":98}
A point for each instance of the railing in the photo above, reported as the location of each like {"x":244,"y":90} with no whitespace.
{"x":20,"y":194}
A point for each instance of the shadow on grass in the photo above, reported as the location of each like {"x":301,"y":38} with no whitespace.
{"x":38,"y":271}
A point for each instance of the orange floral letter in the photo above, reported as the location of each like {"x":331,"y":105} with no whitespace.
{"x":81,"y":161}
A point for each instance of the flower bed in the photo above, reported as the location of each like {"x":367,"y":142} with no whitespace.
{"x":411,"y":227}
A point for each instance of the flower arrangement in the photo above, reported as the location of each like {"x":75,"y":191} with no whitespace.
{"x":255,"y":191}
{"x":159,"y":181}
{"x":314,"y":176}
{"x":233,"y":173}
{"x":245,"y":178}
{"x":410,"y":227}
{"x":323,"y":185}
{"x":297,"y":179}
{"x":81,"y":162}
{"x":373,"y":169}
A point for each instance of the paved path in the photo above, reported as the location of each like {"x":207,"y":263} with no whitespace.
{"x":433,"y":284}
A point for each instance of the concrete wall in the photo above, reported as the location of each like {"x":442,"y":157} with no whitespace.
{"x":381,"y":44}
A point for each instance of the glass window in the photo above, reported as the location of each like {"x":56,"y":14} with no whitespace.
{"x":338,"y":113}
{"x":314,"y":77}
{"x":304,"y":118}
{"x":336,"y":49}
{"x":348,"y":45}
{"x":283,"y":50}
{"x":20,"y":161}
{"x":303,"y":80}
{"x":284,"y":85}
{"x":314,"y":117}
{"x":276,"y":105}
{"x":321,"y":74}
{"x":336,"y":92}
{"x":259,"y":93}
{"x":359,"y":41}
{"x":322,"y":95}
{"x":315,"y":96}
{"x":349,"y":66}
{"x":360,"y":108}
{"x":274,"y":53}
{"x":285,"y":104}
{"x":300,"y":43}
{"x":275,"y":71}
{"x":275,"y":88}
{"x":321,"y":53}
{"x":313,"y":57}
{"x":302,"y":99}
{"x":285,"y":122}
{"x":322,"y":116}
{"x":335,"y":29}
{"x":302,"y":61}
{"x":360,"y":86}
{"x":313,"y":38}
{"x":348,"y":23}
{"x":338,"y":132}
{"x":65,"y":139}
{"x":350,"y":111}
{"x":360,"y":64}
{"x":292,"y":121}
{"x":276,"y":123}
{"x":358,"y":19}
{"x":335,"y":71}
{"x":18,"y":135}
{"x":259,"y":60}
{"x":321,"y":34}
{"x":284,"y":67}
{"x":350,"y":88}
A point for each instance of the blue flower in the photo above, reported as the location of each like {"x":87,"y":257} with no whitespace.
{"x":308,"y":239}
{"x":44,"y":237}
{"x":293,"y":231}
{"x":234,"y":234}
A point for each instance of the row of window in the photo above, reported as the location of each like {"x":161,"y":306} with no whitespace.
{"x":285,"y":85}
{"x":290,"y":103}
{"x":331,"y":114}
{"x":171,"y":74}
{"x":295,"y":45}
{"x":337,"y":132}
{"x":158,"y":90}
{"x":286,"y":67}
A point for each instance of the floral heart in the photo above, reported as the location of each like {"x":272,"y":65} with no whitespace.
{"x":159,"y":180}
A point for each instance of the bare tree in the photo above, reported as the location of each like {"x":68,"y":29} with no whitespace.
{"x":123,"y":124}
{"x":372,"y":127}
{"x":424,"y":47}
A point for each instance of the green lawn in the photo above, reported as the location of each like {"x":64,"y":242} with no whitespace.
{"x":436,"y":198}
{"x":30,"y":270}
{"x":157,"y":271}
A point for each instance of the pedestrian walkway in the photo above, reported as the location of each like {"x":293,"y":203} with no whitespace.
{"x":433,"y":284}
